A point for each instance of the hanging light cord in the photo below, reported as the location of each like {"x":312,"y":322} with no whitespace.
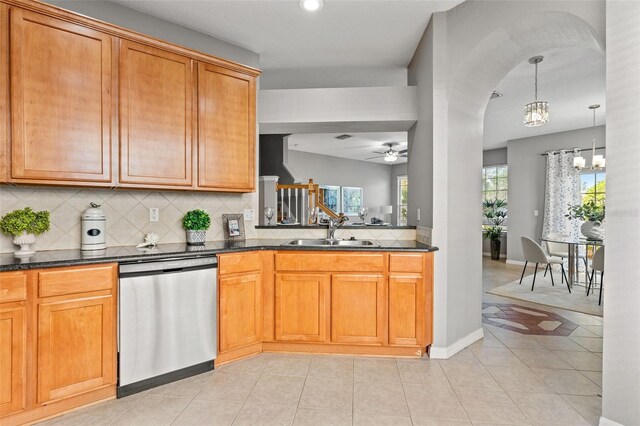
{"x":593,"y":131}
{"x":536,"y":81}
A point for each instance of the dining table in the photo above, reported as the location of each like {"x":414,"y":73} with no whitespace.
{"x":573,"y":245}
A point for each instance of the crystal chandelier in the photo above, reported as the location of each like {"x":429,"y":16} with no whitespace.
{"x":597,"y":161}
{"x":536,"y":113}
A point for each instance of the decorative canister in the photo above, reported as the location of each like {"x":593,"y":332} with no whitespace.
{"x":94,"y":224}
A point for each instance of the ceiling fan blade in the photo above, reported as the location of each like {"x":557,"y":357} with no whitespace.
{"x":378,"y":152}
{"x":403,"y":155}
{"x":371,"y":158}
{"x":402,"y":151}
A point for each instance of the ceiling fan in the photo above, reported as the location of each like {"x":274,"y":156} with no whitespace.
{"x":390,"y":155}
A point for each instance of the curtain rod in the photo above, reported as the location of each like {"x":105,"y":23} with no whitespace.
{"x":544,"y":154}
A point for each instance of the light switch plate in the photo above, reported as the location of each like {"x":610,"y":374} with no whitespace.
{"x":418,"y":215}
{"x":535,"y":213}
{"x":248,"y":214}
{"x":154,"y":214}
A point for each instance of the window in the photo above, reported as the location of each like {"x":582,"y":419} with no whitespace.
{"x":494,"y":183}
{"x":592,"y":186}
{"x":403,"y":188}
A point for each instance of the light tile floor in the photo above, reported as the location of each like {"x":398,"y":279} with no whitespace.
{"x":506,"y":378}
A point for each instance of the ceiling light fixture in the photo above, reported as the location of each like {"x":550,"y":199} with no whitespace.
{"x":536,"y":113}
{"x":597,"y":161}
{"x":311,"y":5}
{"x":391,"y":156}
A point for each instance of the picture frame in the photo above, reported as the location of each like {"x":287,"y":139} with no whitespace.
{"x":233,"y":227}
{"x":352,"y":200}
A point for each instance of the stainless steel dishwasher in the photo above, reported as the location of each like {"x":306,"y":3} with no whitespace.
{"x":167,"y":321}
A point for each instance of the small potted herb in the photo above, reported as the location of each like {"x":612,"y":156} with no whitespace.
{"x":196,"y":222}
{"x":24,"y":225}
{"x":592,"y":214}
{"x":495,"y":211}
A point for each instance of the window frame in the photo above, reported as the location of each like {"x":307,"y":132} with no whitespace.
{"x":399,"y":204}
{"x":496,"y":178}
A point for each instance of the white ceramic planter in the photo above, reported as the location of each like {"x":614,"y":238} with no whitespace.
{"x":25,"y":241}
{"x":196,"y":238}
{"x":592,"y":230}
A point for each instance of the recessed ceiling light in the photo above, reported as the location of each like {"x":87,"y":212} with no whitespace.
{"x":311,"y":5}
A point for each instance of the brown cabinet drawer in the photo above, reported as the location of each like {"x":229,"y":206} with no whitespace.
{"x":406,"y":262}
{"x":239,"y":262}
{"x":330,"y":262}
{"x":56,"y":282}
{"x":13,"y":286}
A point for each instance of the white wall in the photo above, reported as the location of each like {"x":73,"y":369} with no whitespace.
{"x":374,"y":178}
{"x":621,"y":364}
{"x":332,"y":110}
{"x":309,"y":78}
{"x":494,"y":157}
{"x":473,"y":47}
{"x":527,"y":179}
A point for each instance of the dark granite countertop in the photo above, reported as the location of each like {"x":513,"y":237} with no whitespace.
{"x":345,"y":226}
{"x":53,"y":258}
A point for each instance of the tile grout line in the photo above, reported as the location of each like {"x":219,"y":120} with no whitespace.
{"x":404,"y":392}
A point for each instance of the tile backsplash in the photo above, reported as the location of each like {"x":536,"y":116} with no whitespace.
{"x":127,"y":213}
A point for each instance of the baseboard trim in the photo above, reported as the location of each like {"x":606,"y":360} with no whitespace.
{"x":606,"y":422}
{"x":449,"y":351}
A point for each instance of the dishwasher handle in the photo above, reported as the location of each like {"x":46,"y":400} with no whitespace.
{"x":167,"y":266}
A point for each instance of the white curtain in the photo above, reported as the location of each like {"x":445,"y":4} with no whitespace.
{"x":562,"y":190}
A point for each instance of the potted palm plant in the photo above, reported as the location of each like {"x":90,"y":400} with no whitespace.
{"x":495,"y":211}
{"x":24,"y":225}
{"x":196,"y":222}
{"x":592,"y":213}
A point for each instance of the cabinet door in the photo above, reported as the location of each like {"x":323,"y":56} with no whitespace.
{"x":156,"y":103}
{"x":240,"y":311}
{"x":302,"y":306}
{"x":76,"y":351}
{"x":60,"y":100}
{"x":227,"y":129}
{"x":407,"y":309}
{"x":12,"y":359}
{"x":358,"y":308}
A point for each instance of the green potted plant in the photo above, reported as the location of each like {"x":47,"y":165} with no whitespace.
{"x":592,"y":213}
{"x":196,"y":222}
{"x":495,"y":211}
{"x":24,"y":225}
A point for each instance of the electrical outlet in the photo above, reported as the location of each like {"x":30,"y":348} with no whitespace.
{"x":535,"y":213}
{"x":154,"y":214}
{"x":248,"y":214}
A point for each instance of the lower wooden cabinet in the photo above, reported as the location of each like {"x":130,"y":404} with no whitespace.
{"x":75,"y":346}
{"x":358,"y":308}
{"x":57,"y":340}
{"x":12,"y":359}
{"x":240,"y":310}
{"x":406,"y":309}
{"x":301,"y":307}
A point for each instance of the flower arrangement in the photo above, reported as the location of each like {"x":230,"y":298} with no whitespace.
{"x":25,"y":221}
{"x":196,"y":220}
{"x":588,"y":212}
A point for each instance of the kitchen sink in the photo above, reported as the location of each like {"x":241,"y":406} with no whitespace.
{"x":332,"y":243}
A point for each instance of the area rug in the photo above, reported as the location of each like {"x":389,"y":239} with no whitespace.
{"x":558,"y":296}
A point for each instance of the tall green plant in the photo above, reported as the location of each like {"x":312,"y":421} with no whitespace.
{"x":496,"y":212}
{"x":26,"y":220}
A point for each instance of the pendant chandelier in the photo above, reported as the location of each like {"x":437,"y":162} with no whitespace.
{"x":536,"y":113}
{"x":597,"y":161}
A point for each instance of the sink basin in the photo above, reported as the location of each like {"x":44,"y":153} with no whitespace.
{"x":332,"y":243}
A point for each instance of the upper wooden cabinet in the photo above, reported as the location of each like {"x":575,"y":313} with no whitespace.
{"x":156,"y":120}
{"x":226,"y":129}
{"x":60,"y":82}
{"x":87,"y":103}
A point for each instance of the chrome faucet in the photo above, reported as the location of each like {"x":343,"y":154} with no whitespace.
{"x":335,"y":224}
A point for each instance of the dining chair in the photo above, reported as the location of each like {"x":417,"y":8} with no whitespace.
{"x":561,"y":250}
{"x":533,"y":252}
{"x":597,"y":264}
